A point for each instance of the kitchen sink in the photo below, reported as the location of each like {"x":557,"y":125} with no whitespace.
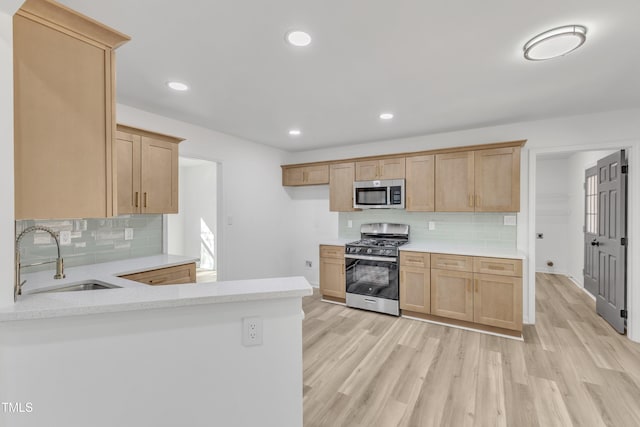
{"x":91,"y":285}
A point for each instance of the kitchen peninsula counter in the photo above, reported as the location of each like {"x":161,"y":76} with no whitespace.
{"x":132,"y":295}
{"x":153,"y":355}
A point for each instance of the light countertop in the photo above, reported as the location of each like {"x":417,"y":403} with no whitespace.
{"x":336,"y":242}
{"x":137,"y":296}
{"x":461,"y":249}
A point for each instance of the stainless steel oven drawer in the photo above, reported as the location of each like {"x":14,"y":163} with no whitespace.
{"x":380,"y":305}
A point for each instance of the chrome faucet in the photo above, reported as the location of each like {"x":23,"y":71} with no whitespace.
{"x":17,"y":289}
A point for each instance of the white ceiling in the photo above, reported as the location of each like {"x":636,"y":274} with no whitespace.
{"x":438,"y":65}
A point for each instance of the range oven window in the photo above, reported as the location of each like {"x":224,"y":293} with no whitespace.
{"x":372,"y":278}
{"x":371,"y":196}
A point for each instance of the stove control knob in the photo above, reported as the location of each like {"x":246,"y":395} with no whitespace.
{"x":368,"y":251}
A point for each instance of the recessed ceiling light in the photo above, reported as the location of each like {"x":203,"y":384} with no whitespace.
{"x":555,"y":42}
{"x":298,"y":38}
{"x":295,"y":132}
{"x":386,"y":116}
{"x":179,"y":86}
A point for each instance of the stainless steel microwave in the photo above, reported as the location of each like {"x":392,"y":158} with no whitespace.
{"x":383,"y":194}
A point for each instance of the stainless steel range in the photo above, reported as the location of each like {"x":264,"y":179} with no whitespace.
{"x":372,"y":274}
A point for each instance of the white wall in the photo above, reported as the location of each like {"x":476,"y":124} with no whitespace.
{"x":251,"y":195}
{"x":576,"y":165}
{"x":198,"y":186}
{"x":181,"y":366}
{"x":552,"y":215}
{"x":7,"y":229}
{"x":311,"y":225}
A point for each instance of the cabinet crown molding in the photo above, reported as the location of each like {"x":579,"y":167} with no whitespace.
{"x":506,"y":144}
{"x":55,"y":14}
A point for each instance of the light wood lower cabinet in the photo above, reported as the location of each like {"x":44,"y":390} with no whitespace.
{"x":179,"y":274}
{"x":452,"y":294}
{"x":458,"y":287}
{"x":332,"y":274}
{"x":498,"y":301}
{"x":415,"y":289}
{"x":415,"y":282}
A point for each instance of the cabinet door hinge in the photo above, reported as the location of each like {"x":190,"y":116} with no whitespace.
{"x":623,"y":314}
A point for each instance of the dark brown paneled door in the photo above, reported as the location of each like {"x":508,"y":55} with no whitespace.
{"x":610,"y":242}
{"x":591,"y":230}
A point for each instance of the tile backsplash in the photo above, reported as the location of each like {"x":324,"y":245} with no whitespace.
{"x":480,"y":229}
{"x":91,"y":240}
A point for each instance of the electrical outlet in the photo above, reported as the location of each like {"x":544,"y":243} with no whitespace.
{"x":432,"y":225}
{"x":251,"y":331}
{"x":128,"y":234}
{"x":308,"y":264}
{"x":349,"y":223}
{"x":539,"y":236}
{"x":510,"y":220}
{"x":65,"y":238}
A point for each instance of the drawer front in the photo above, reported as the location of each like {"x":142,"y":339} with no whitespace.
{"x":178,"y":274}
{"x":499,"y":266}
{"x":452,"y":262}
{"x":415,"y":259}
{"x":327,"y":251}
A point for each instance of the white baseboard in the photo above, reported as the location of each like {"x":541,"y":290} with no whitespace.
{"x":581,"y":287}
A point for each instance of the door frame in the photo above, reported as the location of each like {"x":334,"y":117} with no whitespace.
{"x":527,"y":230}
{"x":219,"y":238}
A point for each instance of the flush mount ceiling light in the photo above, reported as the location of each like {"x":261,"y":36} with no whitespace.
{"x":556,"y":42}
{"x":298,"y":38}
{"x":179,"y":86}
{"x":295,"y":132}
{"x":386,"y":116}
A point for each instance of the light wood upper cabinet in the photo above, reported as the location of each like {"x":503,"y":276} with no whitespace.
{"x":332,"y":274}
{"x":420,"y":183}
{"x":380,"y":169}
{"x":341,"y":187}
{"x":64,"y":85}
{"x":415,"y":282}
{"x":147,"y":171}
{"x":497,"y":180}
{"x":454,"y":182}
{"x":128,"y":176}
{"x":480,"y":181}
{"x":305,"y":175}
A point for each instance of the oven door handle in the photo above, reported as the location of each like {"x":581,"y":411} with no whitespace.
{"x":371,"y":258}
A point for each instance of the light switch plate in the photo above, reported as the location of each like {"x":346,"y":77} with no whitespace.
{"x":510,"y":220}
{"x":349,"y":223}
{"x":432,"y":225}
{"x":65,"y":238}
{"x":128,"y":234}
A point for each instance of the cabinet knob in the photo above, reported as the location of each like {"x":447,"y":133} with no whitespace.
{"x":145,"y":199}
{"x":137,"y":201}
{"x":470,"y":200}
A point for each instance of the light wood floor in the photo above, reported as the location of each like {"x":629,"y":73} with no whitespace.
{"x":368,"y":369}
{"x":203,"y":275}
